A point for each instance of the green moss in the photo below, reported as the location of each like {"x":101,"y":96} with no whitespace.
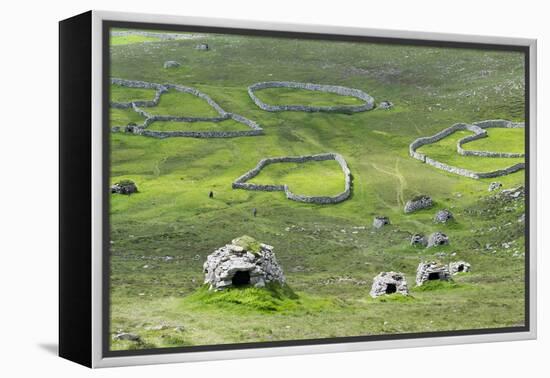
{"x":248,"y":243}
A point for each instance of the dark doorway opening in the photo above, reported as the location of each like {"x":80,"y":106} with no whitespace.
{"x":391,"y":288}
{"x":461,"y":268}
{"x":433,"y":276}
{"x":241,"y":279}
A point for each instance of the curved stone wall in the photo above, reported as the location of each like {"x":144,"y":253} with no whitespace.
{"x":241,"y":182}
{"x":479,"y":130}
{"x":142,"y":129}
{"x":343,"y":91}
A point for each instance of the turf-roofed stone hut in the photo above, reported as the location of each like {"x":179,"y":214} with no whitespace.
{"x":244,"y":262}
{"x":431,"y":271}
{"x":389,"y":283}
{"x":418,"y":203}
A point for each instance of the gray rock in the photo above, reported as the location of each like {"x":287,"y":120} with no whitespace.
{"x":124,"y":187}
{"x":380,"y":221}
{"x":428,"y":271}
{"x":171,"y":64}
{"x":437,"y":238}
{"x":443,"y":216}
{"x":202,"y":46}
{"x":418,"y":203}
{"x":244,"y":262}
{"x":389,"y":283}
{"x":126,"y":336}
{"x":385,"y":105}
{"x":459,"y":267}
{"x":494,"y":186}
{"x":418,"y":240}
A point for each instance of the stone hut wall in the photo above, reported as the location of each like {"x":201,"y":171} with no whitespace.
{"x":479,"y":131}
{"x":343,"y":91}
{"x":240,"y":182}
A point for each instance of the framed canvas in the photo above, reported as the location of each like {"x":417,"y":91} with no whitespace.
{"x":234,"y":189}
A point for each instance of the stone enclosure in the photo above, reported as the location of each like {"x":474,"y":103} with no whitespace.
{"x":243,"y":262}
{"x":418,"y":203}
{"x":479,"y":131}
{"x":144,"y":130}
{"x":339,"y":90}
{"x":241,"y":182}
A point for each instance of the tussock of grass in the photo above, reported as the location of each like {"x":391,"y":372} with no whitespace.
{"x":394,"y":298}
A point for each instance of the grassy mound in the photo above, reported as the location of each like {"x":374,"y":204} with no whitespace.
{"x":273,"y":298}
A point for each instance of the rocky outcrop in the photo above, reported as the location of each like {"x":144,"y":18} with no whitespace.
{"x":144,"y":129}
{"x":459,"y":267}
{"x":171,"y":64}
{"x":124,"y":187}
{"x":380,"y":221}
{"x":429,"y":271}
{"x":243,"y":262}
{"x":202,"y":46}
{"x":418,"y":240}
{"x":494,"y":186}
{"x":241,"y":182}
{"x":443,"y":216}
{"x":418,"y":203}
{"x":389,"y":283}
{"x":479,"y":131}
{"x":126,"y":336}
{"x":437,"y":239}
{"x":339,"y":90}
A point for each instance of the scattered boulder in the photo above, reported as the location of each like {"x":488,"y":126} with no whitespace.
{"x":459,"y":267}
{"x":202,"y":46}
{"x":380,"y":221}
{"x":443,"y":216}
{"x":385,"y":105}
{"x":418,"y":240}
{"x":418,"y":203}
{"x":494,"y":186}
{"x":124,"y":187}
{"x":126,"y":336}
{"x":244,"y":262}
{"x":429,"y":271}
{"x":131,"y":128}
{"x":521,"y":218}
{"x":389,"y":283}
{"x":437,"y":238}
{"x":514,"y":193}
{"x":171,"y":64}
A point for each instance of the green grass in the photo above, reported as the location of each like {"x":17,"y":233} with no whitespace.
{"x":248,"y":243}
{"x":199,"y":126}
{"x":122,"y":117}
{"x":182,"y":104}
{"x":329,"y":254}
{"x":500,"y":140}
{"x":314,"y":178}
{"x":130,"y":39}
{"x":127,"y":94}
{"x":289,"y":96}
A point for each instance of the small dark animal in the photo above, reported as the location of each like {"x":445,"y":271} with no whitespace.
{"x":211,"y":194}
{"x":254,"y":211}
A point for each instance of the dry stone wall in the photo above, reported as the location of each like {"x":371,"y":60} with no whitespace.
{"x":241,"y":182}
{"x":479,"y":130}
{"x":343,"y":91}
{"x":143,"y":129}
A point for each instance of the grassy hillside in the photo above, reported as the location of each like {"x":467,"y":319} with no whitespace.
{"x":161,"y":236}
